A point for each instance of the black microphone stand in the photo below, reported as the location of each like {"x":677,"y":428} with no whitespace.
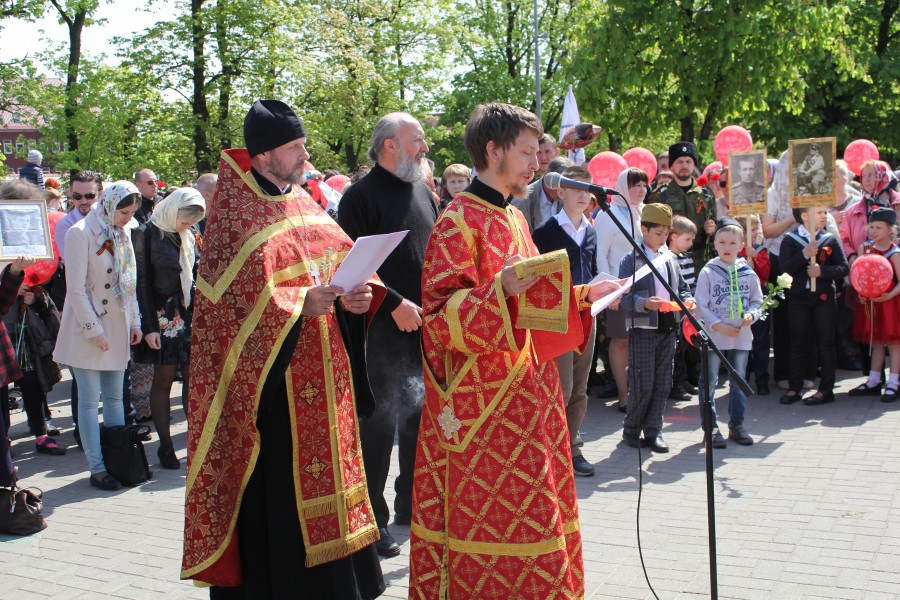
{"x":706,"y":344}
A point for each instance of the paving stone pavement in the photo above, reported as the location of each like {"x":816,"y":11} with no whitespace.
{"x":811,"y":510}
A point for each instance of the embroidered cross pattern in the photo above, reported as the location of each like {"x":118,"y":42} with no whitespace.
{"x":315,"y":467}
{"x":449,"y":423}
{"x":309,"y":393}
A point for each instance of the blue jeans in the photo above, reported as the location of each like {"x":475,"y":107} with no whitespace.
{"x":90,"y":384}
{"x":737,"y":401}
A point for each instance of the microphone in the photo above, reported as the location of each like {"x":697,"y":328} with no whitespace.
{"x":554,"y":181}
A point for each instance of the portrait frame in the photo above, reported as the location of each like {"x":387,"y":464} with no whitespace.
{"x":811,"y":185}
{"x":24,"y":230}
{"x":740,"y":206}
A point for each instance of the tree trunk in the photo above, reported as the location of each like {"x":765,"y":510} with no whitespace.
{"x":352,"y":157}
{"x":687,"y":129}
{"x":198,"y":100}
{"x":614,"y":143}
{"x":226,"y":81}
{"x":76,"y":26}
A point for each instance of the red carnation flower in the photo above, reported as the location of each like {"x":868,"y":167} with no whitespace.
{"x":715,"y":177}
{"x":702,"y":181}
{"x":823,"y":297}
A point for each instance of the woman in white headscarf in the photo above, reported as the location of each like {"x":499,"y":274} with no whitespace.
{"x":612,"y":246}
{"x":101,"y":317}
{"x":167,"y":252}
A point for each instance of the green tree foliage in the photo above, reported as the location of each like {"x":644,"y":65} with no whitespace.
{"x":495,"y":63}
{"x":850,"y":88}
{"x":361,"y":60}
{"x":122,"y":123}
{"x":200,"y":59}
{"x":643,"y":66}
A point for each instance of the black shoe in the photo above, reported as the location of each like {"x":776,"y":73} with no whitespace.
{"x":864,"y":390}
{"x":740,"y":435}
{"x":634,"y":440}
{"x":582,"y":467}
{"x":790,"y":398}
{"x":678,"y":394}
{"x":762,"y":389}
{"x":656,"y":443}
{"x":387,"y":546}
{"x":717,"y":440}
{"x":890,"y":394}
{"x":622,"y":408}
{"x":814,"y":400}
{"x":610,"y":390}
{"x":404,"y":519}
{"x":49,"y":446}
{"x":167,"y":459}
{"x":107,"y":482}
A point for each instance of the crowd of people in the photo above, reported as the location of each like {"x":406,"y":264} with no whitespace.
{"x":464,"y":345}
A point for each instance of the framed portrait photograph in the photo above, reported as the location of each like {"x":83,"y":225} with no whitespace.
{"x":747,"y":183}
{"x":812,"y":172}
{"x":24,"y":230}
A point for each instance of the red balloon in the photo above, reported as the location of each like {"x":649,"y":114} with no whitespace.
{"x":871,"y":275}
{"x":689,"y":331}
{"x":643,"y":159}
{"x":713,"y":166}
{"x":733,"y":138}
{"x":605,"y":168}
{"x":337,"y":182}
{"x":40,"y":272}
{"x":858,"y":152}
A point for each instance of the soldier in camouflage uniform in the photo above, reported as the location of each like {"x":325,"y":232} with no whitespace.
{"x":690,"y":200}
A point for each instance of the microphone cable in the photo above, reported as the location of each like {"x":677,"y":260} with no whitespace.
{"x":629,"y":315}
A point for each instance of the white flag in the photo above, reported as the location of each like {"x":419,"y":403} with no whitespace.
{"x":570,"y":117}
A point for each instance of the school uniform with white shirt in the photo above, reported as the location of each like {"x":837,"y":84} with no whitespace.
{"x":580,"y":243}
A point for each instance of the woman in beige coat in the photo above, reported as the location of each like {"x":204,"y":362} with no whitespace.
{"x":101,"y":317}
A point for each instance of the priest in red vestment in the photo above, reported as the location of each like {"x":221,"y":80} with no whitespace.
{"x":494,"y":502}
{"x":276,"y":502}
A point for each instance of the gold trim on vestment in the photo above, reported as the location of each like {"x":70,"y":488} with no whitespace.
{"x":446,"y":394}
{"x":228,"y":368}
{"x":497,"y":548}
{"x":250,"y":181}
{"x":457,"y":340}
{"x":482,"y":202}
{"x":215,"y":291}
{"x":463,"y":227}
{"x":331,"y":399}
{"x":504,"y":314}
{"x":199,"y":457}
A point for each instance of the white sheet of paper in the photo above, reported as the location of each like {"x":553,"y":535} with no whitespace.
{"x":601,"y":277}
{"x":601,"y":303}
{"x":364,"y":258}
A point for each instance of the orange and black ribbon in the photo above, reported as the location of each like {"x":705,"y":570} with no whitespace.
{"x":108,"y":246}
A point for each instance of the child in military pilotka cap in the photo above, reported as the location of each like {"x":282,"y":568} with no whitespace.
{"x":652,"y":331}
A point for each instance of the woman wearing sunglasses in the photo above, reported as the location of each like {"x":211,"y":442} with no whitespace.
{"x":101,"y":318}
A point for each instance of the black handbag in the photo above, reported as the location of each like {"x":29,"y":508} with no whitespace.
{"x":123,"y":452}
{"x":21,"y":511}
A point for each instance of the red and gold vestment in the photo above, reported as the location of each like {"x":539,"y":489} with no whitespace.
{"x":494,"y":501}
{"x":259,"y":257}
